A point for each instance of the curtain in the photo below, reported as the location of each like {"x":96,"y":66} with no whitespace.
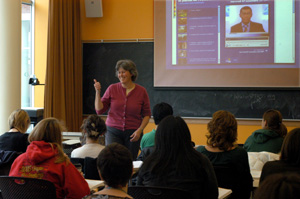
{"x":63,"y":84}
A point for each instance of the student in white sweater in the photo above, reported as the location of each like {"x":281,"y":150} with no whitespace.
{"x":92,"y":128}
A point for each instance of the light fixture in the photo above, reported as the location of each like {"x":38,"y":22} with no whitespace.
{"x":34,"y":81}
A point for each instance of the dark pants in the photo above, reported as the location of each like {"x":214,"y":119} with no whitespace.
{"x":123,"y":137}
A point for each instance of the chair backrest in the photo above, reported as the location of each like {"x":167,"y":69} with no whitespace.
{"x":229,"y":178}
{"x":76,"y":161}
{"x":89,"y":167}
{"x":149,"y":192}
{"x":68,"y":148}
{"x":26,"y":188}
{"x":6,"y":160}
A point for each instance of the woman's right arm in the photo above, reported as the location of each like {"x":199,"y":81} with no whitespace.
{"x":98,"y":102}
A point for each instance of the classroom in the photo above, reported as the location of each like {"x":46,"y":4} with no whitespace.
{"x":114,"y":27}
{"x":122,"y":21}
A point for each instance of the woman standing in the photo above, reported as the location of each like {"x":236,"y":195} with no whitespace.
{"x":128,"y":107}
{"x":270,"y":137}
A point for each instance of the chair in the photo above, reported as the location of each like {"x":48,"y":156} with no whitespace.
{"x":89,"y":167}
{"x":26,"y":188}
{"x":68,"y":148}
{"x":149,"y":192}
{"x":6,"y":160}
{"x":229,"y":178}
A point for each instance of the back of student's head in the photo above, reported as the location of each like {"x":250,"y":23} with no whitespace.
{"x":160,"y":111}
{"x":222,"y":130}
{"x":173,"y":150}
{"x":49,"y":130}
{"x":173,"y":136}
{"x":93,"y":126}
{"x":278,"y":186}
{"x":114,"y":163}
{"x":273,"y":119}
{"x":290,"y":150}
{"x":20,"y":120}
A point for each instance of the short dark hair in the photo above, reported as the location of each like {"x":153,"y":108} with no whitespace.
{"x":93,"y":126}
{"x":290,"y":150}
{"x":114,"y":163}
{"x":127,"y":65}
{"x":280,"y":185}
{"x":160,"y":111}
{"x":274,"y":122}
{"x":245,"y":8}
{"x":222,"y":130}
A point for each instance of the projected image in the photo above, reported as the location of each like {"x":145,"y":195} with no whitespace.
{"x":182,"y":13}
{"x":182,"y":21}
{"x":181,"y":29}
{"x":247,"y":25}
{"x":227,"y":43}
{"x":245,"y":21}
{"x":182,"y":45}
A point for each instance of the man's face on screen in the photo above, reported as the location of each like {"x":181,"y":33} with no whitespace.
{"x":246,"y":15}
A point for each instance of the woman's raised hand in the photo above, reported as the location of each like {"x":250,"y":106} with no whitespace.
{"x":97,"y":85}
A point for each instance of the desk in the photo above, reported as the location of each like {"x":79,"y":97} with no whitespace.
{"x":223,"y":193}
{"x":137,"y":165}
{"x":93,"y":184}
{"x":256,"y":176}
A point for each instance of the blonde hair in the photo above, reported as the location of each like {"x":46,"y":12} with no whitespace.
{"x":20,"y":120}
{"x":50,"y":130}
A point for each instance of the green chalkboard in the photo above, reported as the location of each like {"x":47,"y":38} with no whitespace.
{"x":99,"y":60}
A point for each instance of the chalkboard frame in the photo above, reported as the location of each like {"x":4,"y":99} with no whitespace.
{"x":250,"y":102}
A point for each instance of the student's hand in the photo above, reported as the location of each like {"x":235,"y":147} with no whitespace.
{"x":136,"y":135}
{"x":97,"y":85}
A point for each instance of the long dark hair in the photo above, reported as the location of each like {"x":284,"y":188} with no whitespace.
{"x":173,"y":149}
{"x":290,"y":150}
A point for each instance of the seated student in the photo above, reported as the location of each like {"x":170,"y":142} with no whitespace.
{"x":115,"y":168}
{"x":16,"y":138}
{"x":270,"y":137}
{"x":289,"y":158}
{"x":160,"y":111}
{"x":222,"y":151}
{"x":278,"y":186}
{"x":175,"y":163}
{"x":92,"y":128}
{"x":45,"y":159}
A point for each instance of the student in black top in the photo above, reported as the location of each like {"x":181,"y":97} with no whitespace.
{"x":175,"y":163}
{"x":279,"y":186}
{"x":16,"y":138}
{"x":289,"y":158}
{"x":229,"y":160}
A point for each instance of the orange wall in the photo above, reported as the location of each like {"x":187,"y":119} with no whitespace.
{"x":122,"y":19}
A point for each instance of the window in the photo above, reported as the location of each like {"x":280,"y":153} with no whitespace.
{"x":27,"y":53}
